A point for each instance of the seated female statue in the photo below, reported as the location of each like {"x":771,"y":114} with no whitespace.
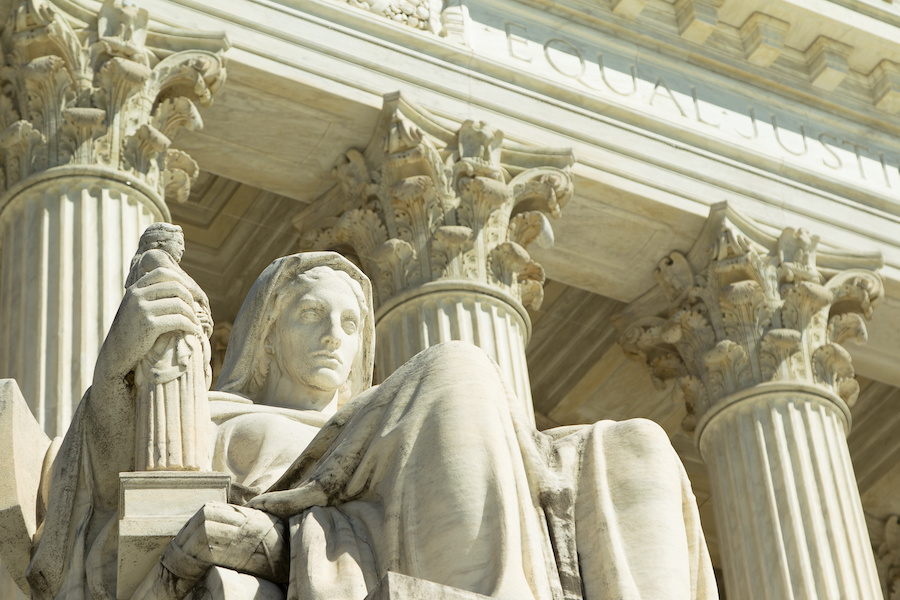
{"x":430,"y":474}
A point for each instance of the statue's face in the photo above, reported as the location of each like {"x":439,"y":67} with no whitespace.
{"x":318,"y":334}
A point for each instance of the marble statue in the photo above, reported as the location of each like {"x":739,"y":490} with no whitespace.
{"x":337,"y":482}
{"x":172,"y":379}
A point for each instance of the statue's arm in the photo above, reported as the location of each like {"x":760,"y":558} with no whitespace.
{"x":158,"y":303}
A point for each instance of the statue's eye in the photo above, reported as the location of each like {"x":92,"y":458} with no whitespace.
{"x":310,"y":315}
{"x":350,"y":325}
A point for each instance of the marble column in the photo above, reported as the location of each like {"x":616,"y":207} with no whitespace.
{"x":440,"y":219}
{"x":90,"y":105}
{"x":750,"y":328}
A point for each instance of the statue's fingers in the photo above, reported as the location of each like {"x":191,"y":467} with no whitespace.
{"x":161,"y":274}
{"x":286,"y":503}
{"x":171,"y":306}
{"x":173,"y":322}
{"x":166,"y":289}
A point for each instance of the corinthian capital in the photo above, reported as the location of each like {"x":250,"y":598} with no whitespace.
{"x":745,"y":307}
{"x":426,"y":204}
{"x":102,"y":90}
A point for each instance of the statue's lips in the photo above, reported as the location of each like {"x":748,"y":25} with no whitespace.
{"x":326,"y":356}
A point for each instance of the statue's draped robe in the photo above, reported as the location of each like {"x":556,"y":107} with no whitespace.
{"x":430,"y":474}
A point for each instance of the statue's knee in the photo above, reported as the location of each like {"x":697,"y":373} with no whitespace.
{"x":640,"y":439}
{"x":459,"y":363}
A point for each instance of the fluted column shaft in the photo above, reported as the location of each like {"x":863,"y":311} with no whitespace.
{"x":66,"y":246}
{"x":786,"y":503}
{"x":439,"y":313}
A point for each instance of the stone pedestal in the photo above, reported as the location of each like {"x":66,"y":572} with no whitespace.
{"x":440,"y":220}
{"x":153,"y":507}
{"x":751,"y":329}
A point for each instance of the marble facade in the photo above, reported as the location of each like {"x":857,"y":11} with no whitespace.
{"x":615,"y":127}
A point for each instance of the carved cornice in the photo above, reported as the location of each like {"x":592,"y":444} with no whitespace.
{"x":96,"y":93}
{"x":744,"y":308}
{"x":424,"y":204}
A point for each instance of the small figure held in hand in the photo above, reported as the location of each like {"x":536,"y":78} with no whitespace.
{"x":172,"y":379}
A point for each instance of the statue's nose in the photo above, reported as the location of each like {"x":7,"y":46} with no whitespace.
{"x":331,"y":338}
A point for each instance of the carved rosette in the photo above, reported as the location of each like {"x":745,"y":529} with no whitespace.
{"x":425,"y":204}
{"x":745,"y":308}
{"x":96,"y":93}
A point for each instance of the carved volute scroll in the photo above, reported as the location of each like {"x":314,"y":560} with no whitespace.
{"x":425,"y":204}
{"x":745,"y":308}
{"x":98,"y":92}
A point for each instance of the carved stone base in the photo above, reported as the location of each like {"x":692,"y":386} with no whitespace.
{"x":394,"y":586}
{"x":153,"y":507}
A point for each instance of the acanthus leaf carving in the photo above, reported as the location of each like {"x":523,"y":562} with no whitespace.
{"x":450,"y":198}
{"x":175,"y":114}
{"x":531,"y":227}
{"x":180,"y":172}
{"x":847,"y":327}
{"x":143,"y":148}
{"x":59,"y":70}
{"x":779,"y":350}
{"x":81,"y":127}
{"x":20,"y":142}
{"x":832,"y":366}
{"x":748,"y":309}
{"x":448,"y":250}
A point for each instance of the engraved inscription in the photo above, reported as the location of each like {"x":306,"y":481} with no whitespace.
{"x":770,"y":130}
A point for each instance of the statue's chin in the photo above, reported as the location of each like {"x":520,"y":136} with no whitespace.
{"x":323,"y":384}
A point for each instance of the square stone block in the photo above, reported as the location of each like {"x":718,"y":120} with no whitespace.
{"x":153,"y":507}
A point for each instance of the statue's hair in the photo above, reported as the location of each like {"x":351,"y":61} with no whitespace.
{"x":156,"y":236}
{"x":288,"y":288}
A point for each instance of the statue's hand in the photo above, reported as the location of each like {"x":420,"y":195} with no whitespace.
{"x":288,"y":503}
{"x":157,"y":303}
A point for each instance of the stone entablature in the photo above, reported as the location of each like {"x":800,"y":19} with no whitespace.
{"x":769,"y":119}
{"x":758,"y":33}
